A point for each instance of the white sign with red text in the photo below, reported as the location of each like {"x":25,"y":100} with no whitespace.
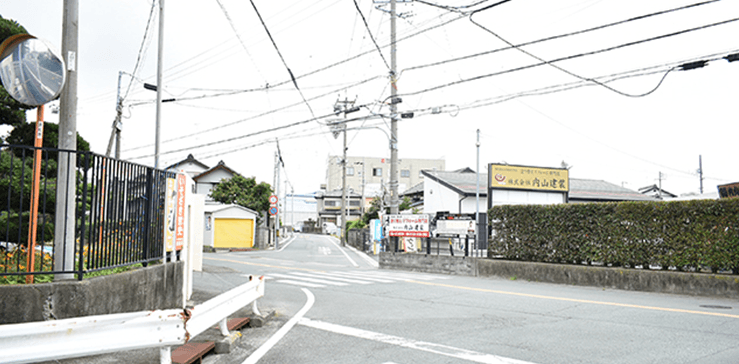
{"x":414,"y":226}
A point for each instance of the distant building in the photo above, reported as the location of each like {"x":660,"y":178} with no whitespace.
{"x":369,"y":176}
{"x":455,"y":192}
{"x":299,"y":208}
{"x":205,"y":178}
{"x":329,"y":206}
{"x":656,"y":192}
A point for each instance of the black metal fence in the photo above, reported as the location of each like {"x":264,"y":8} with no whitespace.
{"x":118,"y":221}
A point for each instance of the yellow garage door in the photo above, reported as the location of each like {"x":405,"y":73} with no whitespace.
{"x":234,"y":233}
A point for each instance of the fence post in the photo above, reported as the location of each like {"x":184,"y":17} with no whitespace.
{"x":149,"y":204}
{"x":83,"y":215}
{"x":467,"y":246}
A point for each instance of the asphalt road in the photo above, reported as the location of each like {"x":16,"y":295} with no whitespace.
{"x":332,"y":305}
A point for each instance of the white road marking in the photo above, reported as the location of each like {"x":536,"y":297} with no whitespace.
{"x":324,"y":276}
{"x":319,"y":281}
{"x":367,"y":277}
{"x":259,"y":353}
{"x":445,"y":350}
{"x":342,"y":250}
{"x":299,"y":283}
{"x":364,"y":256}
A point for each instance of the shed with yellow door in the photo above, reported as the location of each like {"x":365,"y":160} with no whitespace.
{"x":229,"y":226}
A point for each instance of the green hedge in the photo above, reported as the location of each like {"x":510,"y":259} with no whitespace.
{"x":685,"y":235}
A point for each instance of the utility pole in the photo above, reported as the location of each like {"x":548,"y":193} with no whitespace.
{"x":477,"y":192}
{"x":115,"y":134}
{"x":700,"y":171}
{"x":160,"y":57}
{"x":393,"y":115}
{"x":64,"y":243}
{"x":659,"y":191}
{"x":344,"y":107}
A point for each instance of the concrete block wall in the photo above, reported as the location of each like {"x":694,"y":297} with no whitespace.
{"x":684,"y":283}
{"x":152,"y":288}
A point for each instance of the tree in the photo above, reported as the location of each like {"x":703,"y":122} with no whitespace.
{"x":243,"y":192}
{"x":12,"y":112}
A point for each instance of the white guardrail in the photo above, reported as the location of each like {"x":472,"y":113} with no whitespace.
{"x":92,"y":335}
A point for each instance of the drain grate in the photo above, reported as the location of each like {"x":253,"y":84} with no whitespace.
{"x":716,"y":307}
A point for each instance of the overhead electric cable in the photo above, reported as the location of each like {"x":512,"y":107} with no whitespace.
{"x":141,"y":49}
{"x":238,"y":36}
{"x":210,"y":129}
{"x":566,"y":58}
{"x":370,"y":34}
{"x":560,"y":36}
{"x":292,"y":77}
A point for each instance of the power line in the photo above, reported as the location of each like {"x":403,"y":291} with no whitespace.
{"x":238,"y":36}
{"x":560,"y":36}
{"x":141,"y":48}
{"x":370,"y":34}
{"x":567,"y":58}
{"x":292,"y":77}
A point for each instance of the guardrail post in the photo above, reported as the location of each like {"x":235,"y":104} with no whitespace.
{"x":165,"y":355}
{"x":223,"y":326}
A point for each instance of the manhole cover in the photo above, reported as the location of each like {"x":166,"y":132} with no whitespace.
{"x":717,"y":307}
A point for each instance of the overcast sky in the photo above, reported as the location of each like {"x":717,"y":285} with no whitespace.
{"x":612,"y":103}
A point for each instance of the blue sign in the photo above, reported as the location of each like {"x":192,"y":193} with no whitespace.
{"x":273,"y":210}
{"x":376,"y":229}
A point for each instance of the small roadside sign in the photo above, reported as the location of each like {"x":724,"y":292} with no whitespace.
{"x":415,"y":226}
{"x":273,"y":210}
{"x":272,"y":200}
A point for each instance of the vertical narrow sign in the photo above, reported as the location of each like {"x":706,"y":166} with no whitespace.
{"x":169,"y":222}
{"x":180,"y":215}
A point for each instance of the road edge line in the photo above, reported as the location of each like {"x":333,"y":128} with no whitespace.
{"x":259,"y":353}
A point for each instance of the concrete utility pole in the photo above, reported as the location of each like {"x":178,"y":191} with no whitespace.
{"x":393,"y":116}
{"x":477,"y":192}
{"x":160,"y":59}
{"x":64,"y":243}
{"x":345,"y":107}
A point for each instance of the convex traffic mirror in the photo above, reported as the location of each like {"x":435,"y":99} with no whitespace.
{"x":32,"y":71}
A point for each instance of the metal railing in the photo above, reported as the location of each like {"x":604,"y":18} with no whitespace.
{"x":83,"y":336}
{"x":119,"y":208}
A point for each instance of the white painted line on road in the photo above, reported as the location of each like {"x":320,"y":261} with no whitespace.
{"x":364,"y":256}
{"x":299,"y":283}
{"x":342,"y":250}
{"x":288,"y":242}
{"x":259,"y":353}
{"x":445,"y":350}
{"x":319,"y":281}
{"x":324,"y":276}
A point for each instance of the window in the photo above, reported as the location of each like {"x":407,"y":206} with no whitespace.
{"x":349,"y":171}
{"x":330,"y":203}
{"x":353,"y":203}
{"x":405,"y":173}
{"x":377,"y":172}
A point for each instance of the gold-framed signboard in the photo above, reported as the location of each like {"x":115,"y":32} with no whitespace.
{"x":503,"y":176}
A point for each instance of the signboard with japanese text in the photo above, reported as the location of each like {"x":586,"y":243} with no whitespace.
{"x":169,"y":218}
{"x":180,"y":214}
{"x":376,"y":229}
{"x":503,"y":176}
{"x":730,"y":190}
{"x":416,"y":226}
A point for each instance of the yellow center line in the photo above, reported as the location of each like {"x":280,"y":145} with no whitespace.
{"x":266,"y":265}
{"x":579,"y":300}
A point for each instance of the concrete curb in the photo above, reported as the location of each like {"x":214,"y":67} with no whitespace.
{"x":672,"y":282}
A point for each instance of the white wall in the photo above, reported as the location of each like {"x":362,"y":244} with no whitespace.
{"x":513,"y":197}
{"x":437,"y":197}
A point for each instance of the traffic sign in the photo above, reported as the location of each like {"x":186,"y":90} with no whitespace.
{"x":273,"y":210}
{"x":273,"y":200}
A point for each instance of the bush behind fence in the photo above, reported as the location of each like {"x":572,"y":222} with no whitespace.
{"x":684,"y":235}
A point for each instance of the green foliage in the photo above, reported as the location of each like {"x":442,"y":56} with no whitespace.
{"x":243,"y":192}
{"x":11,"y":112}
{"x":25,"y":134}
{"x":375,"y":205}
{"x":356,"y":224}
{"x":15,"y":184}
{"x":687,"y":235}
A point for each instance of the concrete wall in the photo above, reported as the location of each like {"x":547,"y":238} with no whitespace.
{"x":694,"y":284}
{"x":151,"y":288}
